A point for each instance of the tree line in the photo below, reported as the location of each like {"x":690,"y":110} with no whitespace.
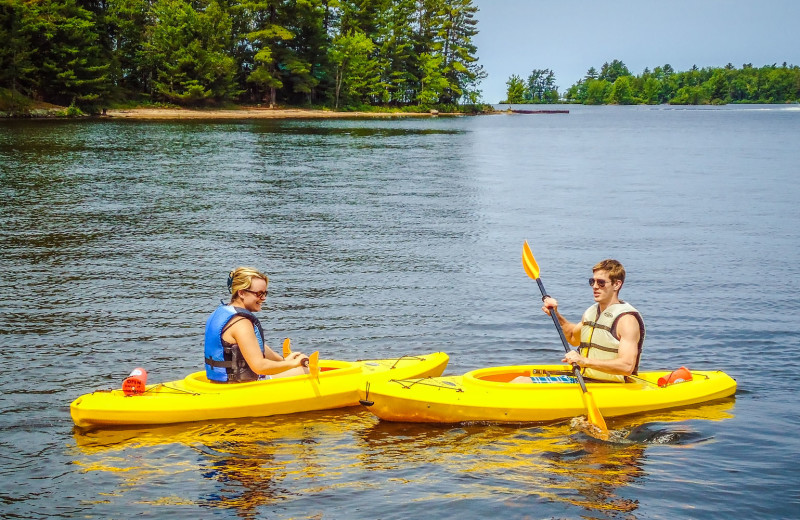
{"x":614,"y":84}
{"x":339,"y":53}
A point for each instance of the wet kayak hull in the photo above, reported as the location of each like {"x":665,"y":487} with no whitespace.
{"x":487,"y":395}
{"x":194,"y":398}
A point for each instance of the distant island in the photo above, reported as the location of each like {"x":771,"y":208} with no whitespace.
{"x":614,"y":84}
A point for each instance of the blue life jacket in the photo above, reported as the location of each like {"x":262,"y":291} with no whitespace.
{"x":224,"y":361}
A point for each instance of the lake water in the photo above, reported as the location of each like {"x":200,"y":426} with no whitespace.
{"x":399,"y":236}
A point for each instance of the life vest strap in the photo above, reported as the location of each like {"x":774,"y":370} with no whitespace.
{"x":588,"y":346}
{"x":219,"y":364}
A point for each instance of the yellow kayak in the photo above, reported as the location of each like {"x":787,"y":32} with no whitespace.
{"x":194,"y":398}
{"x":488,"y":395}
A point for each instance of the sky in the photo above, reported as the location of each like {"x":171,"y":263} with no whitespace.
{"x":570,"y":36}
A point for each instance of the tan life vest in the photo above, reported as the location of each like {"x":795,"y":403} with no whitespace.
{"x":599,"y":338}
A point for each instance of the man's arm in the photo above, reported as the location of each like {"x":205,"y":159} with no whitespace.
{"x":572,"y":331}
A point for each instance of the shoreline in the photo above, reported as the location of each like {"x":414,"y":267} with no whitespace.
{"x":235,"y":112}
{"x":254,"y":113}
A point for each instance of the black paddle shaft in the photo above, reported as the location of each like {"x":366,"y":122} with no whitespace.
{"x":575,"y":368}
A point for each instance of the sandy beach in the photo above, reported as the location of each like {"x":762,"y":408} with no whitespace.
{"x":250,"y":113}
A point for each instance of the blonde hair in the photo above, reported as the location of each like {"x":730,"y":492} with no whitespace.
{"x":242,"y":278}
{"x":613,"y":268}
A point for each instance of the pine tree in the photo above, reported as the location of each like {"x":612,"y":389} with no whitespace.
{"x":455,"y":26}
{"x":17,"y":71}
{"x":128,"y":27}
{"x":516,"y":90}
{"x":186,"y":52}
{"x":355,"y":69}
{"x":66,"y":54}
{"x":267,"y":38}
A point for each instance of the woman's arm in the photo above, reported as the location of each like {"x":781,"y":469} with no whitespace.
{"x":242,"y":334}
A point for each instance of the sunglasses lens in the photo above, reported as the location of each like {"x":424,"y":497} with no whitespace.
{"x":600,"y":283}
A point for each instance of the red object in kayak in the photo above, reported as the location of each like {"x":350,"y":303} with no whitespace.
{"x":135,"y":383}
{"x":676,"y":376}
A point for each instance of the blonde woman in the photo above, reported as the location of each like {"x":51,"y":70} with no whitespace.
{"x":235,"y":350}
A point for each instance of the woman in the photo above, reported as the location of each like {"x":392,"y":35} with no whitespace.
{"x":235,"y":351}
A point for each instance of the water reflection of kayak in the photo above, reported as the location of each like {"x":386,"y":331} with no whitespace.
{"x":488,"y":395}
{"x":194,"y":398}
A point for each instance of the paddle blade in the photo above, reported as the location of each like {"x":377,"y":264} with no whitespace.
{"x":595,"y":417}
{"x":313,"y":365}
{"x":529,"y":262}
{"x":287,"y":348}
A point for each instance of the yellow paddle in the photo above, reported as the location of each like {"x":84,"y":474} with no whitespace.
{"x":313,"y":365}
{"x":592,"y":411}
{"x":312,"y":362}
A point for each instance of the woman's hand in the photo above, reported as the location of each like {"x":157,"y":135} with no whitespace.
{"x":297,"y":359}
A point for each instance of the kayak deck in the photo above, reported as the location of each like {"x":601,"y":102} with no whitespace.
{"x":487,"y":395}
{"x":195,"y":398}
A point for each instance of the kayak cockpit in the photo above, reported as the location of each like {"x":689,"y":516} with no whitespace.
{"x":198,"y":381}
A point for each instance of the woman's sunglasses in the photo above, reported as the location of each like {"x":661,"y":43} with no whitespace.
{"x":263,"y":294}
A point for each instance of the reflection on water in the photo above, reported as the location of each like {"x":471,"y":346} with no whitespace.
{"x":248,"y":465}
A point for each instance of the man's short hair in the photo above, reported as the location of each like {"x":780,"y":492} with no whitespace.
{"x":613,"y":268}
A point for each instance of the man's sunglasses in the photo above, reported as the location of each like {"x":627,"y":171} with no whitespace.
{"x":600,"y":283}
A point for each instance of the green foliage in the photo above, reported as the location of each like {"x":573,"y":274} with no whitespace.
{"x":612,"y":71}
{"x":269,"y":41}
{"x":434,"y":83}
{"x":401,"y":70}
{"x":73,"y":111}
{"x":185,"y":53}
{"x":455,"y":27}
{"x":129,"y":22}
{"x":540,"y":87}
{"x":650,"y":90}
{"x":697,"y":86}
{"x":597,"y":91}
{"x":621,"y":92}
{"x":13,"y":102}
{"x":51,"y":51}
{"x":17,"y":27}
{"x":515,"y":94}
{"x":338,"y":52}
{"x":216,"y":51}
{"x":305,"y":66}
{"x":355,"y":69}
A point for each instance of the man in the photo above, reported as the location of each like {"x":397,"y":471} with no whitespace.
{"x":610,"y":333}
